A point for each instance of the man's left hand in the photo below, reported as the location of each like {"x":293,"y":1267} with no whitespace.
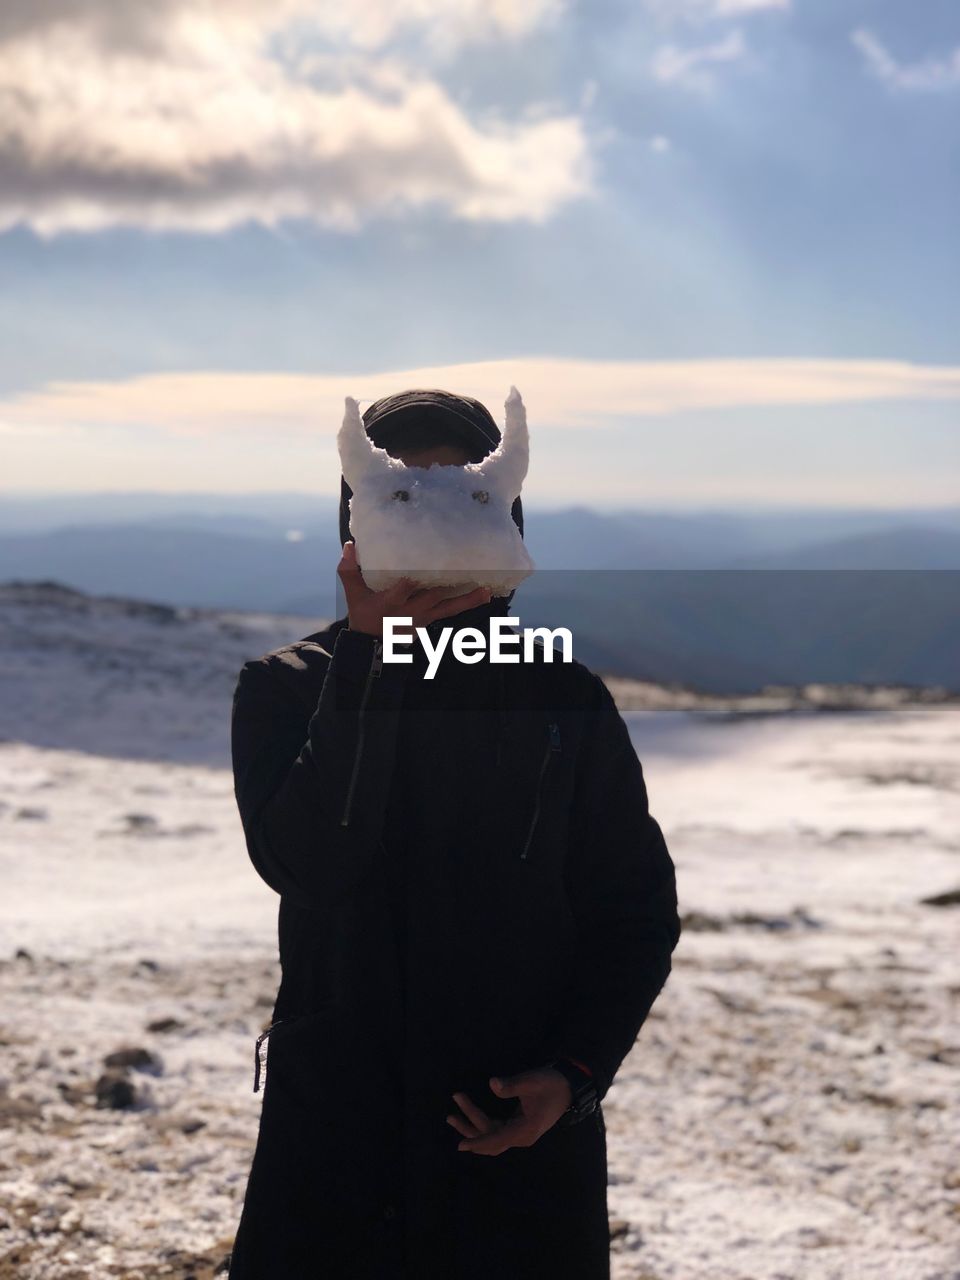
{"x":543,"y":1096}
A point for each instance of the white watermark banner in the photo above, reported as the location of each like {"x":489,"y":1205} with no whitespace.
{"x":506,"y":642}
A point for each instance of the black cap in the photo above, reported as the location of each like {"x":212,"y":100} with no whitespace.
{"x":462,"y":416}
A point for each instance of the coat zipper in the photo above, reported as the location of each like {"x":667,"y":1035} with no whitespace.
{"x":257,"y":1063}
{"x":376,"y":666}
{"x":553,"y":748}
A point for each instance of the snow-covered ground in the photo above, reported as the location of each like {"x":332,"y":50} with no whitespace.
{"x":789,"y":1111}
{"x":790,"y":1108}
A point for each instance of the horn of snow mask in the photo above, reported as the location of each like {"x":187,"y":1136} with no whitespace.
{"x":437,"y":525}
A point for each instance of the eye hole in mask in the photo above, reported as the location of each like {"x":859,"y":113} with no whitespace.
{"x":481,"y":495}
{"x":400,"y":495}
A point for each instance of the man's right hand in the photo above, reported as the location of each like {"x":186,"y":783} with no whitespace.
{"x":367,"y":609}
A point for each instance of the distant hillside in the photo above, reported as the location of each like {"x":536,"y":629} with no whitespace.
{"x":735,"y":631}
{"x":42,"y":513}
{"x":181,"y":566}
{"x":714,"y":600}
{"x":904,"y":548}
{"x":717,"y":531}
{"x":785,"y":529}
{"x":237,"y":561}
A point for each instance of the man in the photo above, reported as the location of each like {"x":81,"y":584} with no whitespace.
{"x":477,"y":912}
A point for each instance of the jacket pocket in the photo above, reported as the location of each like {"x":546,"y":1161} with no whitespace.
{"x":550,"y":754}
{"x":298,"y":1027}
{"x":258,"y":1051}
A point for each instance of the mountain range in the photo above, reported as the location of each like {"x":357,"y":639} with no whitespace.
{"x":721,"y":601}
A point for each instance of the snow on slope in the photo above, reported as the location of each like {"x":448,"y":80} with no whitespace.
{"x":126,"y":677}
{"x":789,"y":1110}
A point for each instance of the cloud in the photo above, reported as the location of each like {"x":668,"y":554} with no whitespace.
{"x":699,"y":11}
{"x":186,"y":115}
{"x":734,"y":8}
{"x":559,"y":393}
{"x":692,"y":68}
{"x":152,"y":25}
{"x":931,"y":75}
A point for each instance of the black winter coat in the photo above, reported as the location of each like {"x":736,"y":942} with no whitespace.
{"x":470,"y":883}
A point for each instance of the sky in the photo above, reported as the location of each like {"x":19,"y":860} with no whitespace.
{"x":712,"y":242}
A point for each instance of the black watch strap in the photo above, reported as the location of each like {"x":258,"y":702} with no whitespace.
{"x":583,"y":1091}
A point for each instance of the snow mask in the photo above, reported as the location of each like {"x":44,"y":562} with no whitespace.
{"x":438,"y":525}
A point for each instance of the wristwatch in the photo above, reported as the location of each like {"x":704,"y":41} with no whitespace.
{"x":583,"y":1090}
